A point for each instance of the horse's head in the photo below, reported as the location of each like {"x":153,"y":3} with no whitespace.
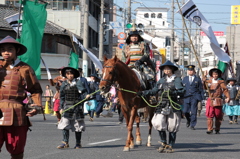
{"x":109,"y":74}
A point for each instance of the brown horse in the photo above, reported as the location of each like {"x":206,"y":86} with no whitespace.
{"x":116,"y":71}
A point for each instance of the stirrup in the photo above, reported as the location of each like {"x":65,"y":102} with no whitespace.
{"x":162,"y":148}
{"x":63,"y":145}
{"x":169,"y":149}
{"x":78,"y":146}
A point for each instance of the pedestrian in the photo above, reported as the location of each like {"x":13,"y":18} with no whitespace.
{"x":232,"y":109}
{"x":83,"y":80}
{"x":214,"y":103}
{"x":94,"y":100}
{"x":167,"y":116}
{"x":56,"y":104}
{"x":192,"y":96}
{"x":15,"y":75}
{"x":48,"y":96}
{"x":72,"y":117}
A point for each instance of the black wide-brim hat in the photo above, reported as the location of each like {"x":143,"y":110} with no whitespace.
{"x":215,"y":69}
{"x":169,"y":63}
{"x":10,"y":40}
{"x":94,"y":75}
{"x":231,"y":79}
{"x":75,"y":72}
{"x":134,"y":33}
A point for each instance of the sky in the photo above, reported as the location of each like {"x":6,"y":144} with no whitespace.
{"x":217,"y":12}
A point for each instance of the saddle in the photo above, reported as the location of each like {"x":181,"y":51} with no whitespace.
{"x":144,"y":84}
{"x":141,"y":78}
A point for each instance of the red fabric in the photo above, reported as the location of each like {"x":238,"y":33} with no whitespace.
{"x":14,"y":137}
{"x":128,"y":61}
{"x":212,"y":112}
{"x":56,"y":105}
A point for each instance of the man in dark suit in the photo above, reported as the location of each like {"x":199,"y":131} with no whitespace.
{"x":193,"y":94}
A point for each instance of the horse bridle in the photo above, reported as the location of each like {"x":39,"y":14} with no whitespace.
{"x":110,"y":82}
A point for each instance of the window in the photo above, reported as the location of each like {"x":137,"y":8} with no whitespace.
{"x":146,"y":15}
{"x":150,"y":23}
{"x":153,"y":15}
{"x":159,"y":15}
{"x":163,"y":23}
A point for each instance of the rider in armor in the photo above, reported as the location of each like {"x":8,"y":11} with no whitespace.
{"x":136,"y":55}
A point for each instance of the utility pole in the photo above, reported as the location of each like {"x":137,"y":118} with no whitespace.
{"x":172,"y":37}
{"x":190,"y":54}
{"x":85,"y":38}
{"x":129,"y":12}
{"x":101,"y":32}
{"x":183,"y":40}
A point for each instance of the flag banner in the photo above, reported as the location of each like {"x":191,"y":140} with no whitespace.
{"x":73,"y":62}
{"x":230,"y":67}
{"x":190,"y":11}
{"x":13,"y":21}
{"x":33,"y":24}
{"x":94,"y":59}
{"x":48,"y":72}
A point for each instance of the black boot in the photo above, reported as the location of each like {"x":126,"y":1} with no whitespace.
{"x":172,"y":139}
{"x":163,"y":137}
{"x":78,"y":136}
{"x":65,"y":139}
{"x":187,"y":115}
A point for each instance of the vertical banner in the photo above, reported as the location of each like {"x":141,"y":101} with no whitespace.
{"x":34,"y":20}
{"x":73,"y":62}
{"x":190,"y":11}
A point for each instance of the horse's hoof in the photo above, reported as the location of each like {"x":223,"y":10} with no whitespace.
{"x":131,"y":146}
{"x":138,"y":142}
{"x":149,"y":145}
{"x":126,"y":149}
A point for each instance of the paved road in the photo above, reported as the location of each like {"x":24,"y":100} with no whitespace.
{"x":104,"y":139}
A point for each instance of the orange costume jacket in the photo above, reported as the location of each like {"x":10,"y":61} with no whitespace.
{"x":15,"y":80}
{"x":216,"y":91}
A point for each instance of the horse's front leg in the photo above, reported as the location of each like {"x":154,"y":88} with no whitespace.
{"x":138,"y":134}
{"x":151,"y":113}
{"x":129,"y":142}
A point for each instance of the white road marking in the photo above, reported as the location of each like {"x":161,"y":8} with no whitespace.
{"x":101,"y":142}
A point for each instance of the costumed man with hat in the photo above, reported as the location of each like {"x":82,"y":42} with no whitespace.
{"x":193,"y":94}
{"x":232,"y":109}
{"x":72,"y":117}
{"x":167,"y":115}
{"x":214,"y":103}
{"x":16,"y":78}
{"x":135,"y":54}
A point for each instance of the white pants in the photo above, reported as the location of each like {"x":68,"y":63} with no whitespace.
{"x":169,"y":122}
{"x":74,"y":125}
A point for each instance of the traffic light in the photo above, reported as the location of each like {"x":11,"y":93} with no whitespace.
{"x":139,"y":27}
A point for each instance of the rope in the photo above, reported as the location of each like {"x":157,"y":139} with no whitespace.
{"x":171,"y":101}
{"x":79,"y":102}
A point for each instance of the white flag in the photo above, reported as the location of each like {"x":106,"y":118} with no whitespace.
{"x":94,"y":59}
{"x":48,"y":72}
{"x":191,"y":12}
{"x":13,"y":21}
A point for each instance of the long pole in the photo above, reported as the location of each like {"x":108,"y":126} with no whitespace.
{"x":199,"y":64}
{"x":85,"y":38}
{"x":183,"y":40}
{"x":19,"y":16}
{"x":101,"y":31}
{"x":172,"y":35}
{"x":129,"y":12}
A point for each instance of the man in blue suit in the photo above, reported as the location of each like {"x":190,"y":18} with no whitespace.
{"x":193,"y":94}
